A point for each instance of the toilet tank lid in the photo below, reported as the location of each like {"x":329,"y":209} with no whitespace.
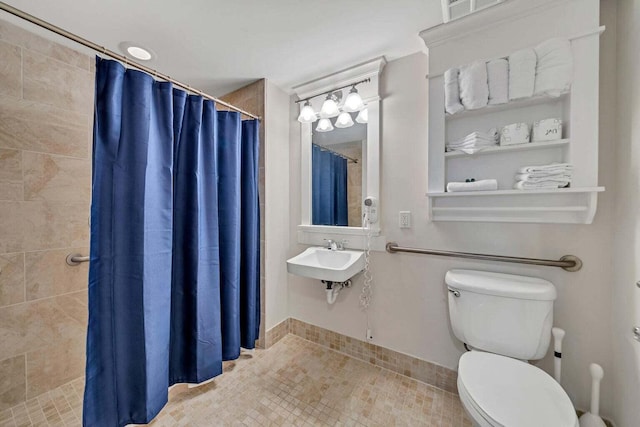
{"x":499,"y":284}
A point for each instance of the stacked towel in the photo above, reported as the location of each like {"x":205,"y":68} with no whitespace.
{"x":554,"y":69}
{"x":482,"y":185}
{"x":498,"y":78}
{"x":522,"y":73}
{"x":554,"y":175}
{"x":474,"y":89}
{"x":474,"y":142}
{"x":452,"y":103}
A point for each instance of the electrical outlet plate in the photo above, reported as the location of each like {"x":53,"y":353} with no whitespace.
{"x":404,"y":219}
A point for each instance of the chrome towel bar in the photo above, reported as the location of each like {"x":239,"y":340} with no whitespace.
{"x":567,"y":262}
{"x":75,"y":259}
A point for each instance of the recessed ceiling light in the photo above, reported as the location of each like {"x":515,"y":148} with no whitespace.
{"x":134,"y":50}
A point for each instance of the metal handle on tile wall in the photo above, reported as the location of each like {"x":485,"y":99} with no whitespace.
{"x":567,"y":262}
{"x":76,"y":259}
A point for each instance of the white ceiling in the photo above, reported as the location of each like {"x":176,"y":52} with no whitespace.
{"x":218,"y":46}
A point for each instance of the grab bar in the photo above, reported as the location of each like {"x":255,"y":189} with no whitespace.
{"x":76,"y":259}
{"x":567,"y":262}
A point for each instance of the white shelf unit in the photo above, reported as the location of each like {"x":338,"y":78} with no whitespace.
{"x":578,"y":109}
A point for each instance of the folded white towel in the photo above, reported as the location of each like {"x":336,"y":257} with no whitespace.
{"x":482,"y":185}
{"x":544,"y":185}
{"x":540,"y":177}
{"x":498,"y":78}
{"x":522,"y":73}
{"x":550,"y":169}
{"x":452,"y":103}
{"x":474,"y":142}
{"x":554,"y":69}
{"x":474,"y":89}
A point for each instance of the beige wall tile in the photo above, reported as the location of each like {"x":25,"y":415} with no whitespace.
{"x":11,"y":278}
{"x":55,"y":83}
{"x":54,"y":366}
{"x":55,"y":224}
{"x":62,"y":360}
{"x":27,"y":125}
{"x":47,"y":274}
{"x":10,"y":174}
{"x":20,"y":37}
{"x":32,"y":226}
{"x":10,"y":70}
{"x":55,"y":178}
{"x":12,"y":382}
{"x":11,"y":227}
{"x":35,"y":325}
{"x":76,"y":304}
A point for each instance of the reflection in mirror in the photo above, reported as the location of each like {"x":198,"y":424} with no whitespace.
{"x":338,"y":176}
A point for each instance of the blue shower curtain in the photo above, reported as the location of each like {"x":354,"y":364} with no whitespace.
{"x":329,"y":188}
{"x":174,"y":272}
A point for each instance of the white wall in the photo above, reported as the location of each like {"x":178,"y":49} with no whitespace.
{"x":276,"y":217}
{"x":626,"y":296}
{"x":409,"y":312}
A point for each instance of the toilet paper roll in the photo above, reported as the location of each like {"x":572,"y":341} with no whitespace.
{"x":547,"y":130}
{"x":515,"y":133}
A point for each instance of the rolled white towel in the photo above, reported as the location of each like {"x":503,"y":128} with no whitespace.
{"x":554,"y":69}
{"x":550,"y":168}
{"x":543,"y":185}
{"x":452,"y":103}
{"x":474,"y":89}
{"x":482,"y":185}
{"x":498,"y":78}
{"x":522,"y":73}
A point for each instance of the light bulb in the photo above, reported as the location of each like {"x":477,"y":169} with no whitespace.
{"x":344,"y":120}
{"x":363,"y":116}
{"x":329,"y":108}
{"x":324,"y":125}
{"x":307,"y":115}
{"x":353,"y":102}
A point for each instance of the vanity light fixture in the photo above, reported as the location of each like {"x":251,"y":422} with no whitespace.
{"x":363,"y":116}
{"x":324,"y":125}
{"x":307,"y":115}
{"x":344,"y":120}
{"x":331,"y":107}
{"x":353,"y":102}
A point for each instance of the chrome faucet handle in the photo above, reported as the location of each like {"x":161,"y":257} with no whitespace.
{"x":342,"y":244}
{"x":331,"y":244}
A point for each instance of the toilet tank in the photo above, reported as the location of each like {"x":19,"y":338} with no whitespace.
{"x":501,"y":313}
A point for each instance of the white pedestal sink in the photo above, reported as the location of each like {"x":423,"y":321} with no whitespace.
{"x":325,"y":264}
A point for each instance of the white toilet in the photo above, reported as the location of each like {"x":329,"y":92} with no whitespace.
{"x":506,"y":319}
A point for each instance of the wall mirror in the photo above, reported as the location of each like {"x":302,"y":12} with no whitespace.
{"x":340,"y":147}
{"x":338,"y":172}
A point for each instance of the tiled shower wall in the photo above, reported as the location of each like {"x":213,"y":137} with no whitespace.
{"x":46,"y":107}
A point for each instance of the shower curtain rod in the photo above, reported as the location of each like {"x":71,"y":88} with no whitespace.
{"x":322,"y":147}
{"x":128,"y":62}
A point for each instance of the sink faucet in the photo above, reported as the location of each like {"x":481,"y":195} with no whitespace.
{"x":335,"y":246}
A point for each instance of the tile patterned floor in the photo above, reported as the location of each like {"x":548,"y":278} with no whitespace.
{"x":294,"y":383}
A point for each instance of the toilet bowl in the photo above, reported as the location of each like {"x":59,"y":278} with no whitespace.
{"x":498,"y":391}
{"x":506,"y":319}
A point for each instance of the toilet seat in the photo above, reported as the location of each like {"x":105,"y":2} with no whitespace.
{"x":509,"y":393}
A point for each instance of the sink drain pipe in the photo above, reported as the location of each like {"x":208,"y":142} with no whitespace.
{"x":334,"y":288}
